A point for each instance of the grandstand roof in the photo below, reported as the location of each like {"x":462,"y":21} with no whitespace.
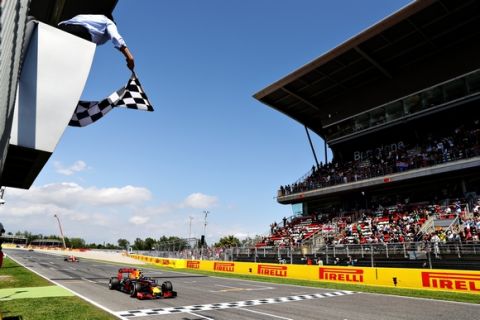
{"x":47,"y":241}
{"x":54,"y":11}
{"x":382,"y":63}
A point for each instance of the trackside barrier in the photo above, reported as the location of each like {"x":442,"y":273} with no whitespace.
{"x":172,"y":263}
{"x":424,"y":279}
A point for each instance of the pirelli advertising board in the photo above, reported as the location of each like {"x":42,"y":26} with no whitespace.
{"x":172,"y":263}
{"x":424,"y":279}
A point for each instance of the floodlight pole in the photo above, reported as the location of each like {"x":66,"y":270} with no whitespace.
{"x":190,"y":229}
{"x":206,"y":212}
{"x":61,"y":231}
{"x":205,"y":224}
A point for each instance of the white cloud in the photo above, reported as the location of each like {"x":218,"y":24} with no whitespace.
{"x":77,"y":166}
{"x":138,"y":220}
{"x":107,"y":214}
{"x":200,"y":201}
{"x":71,"y":195}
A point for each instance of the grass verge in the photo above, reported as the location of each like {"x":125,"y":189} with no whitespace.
{"x":448,"y":296}
{"x":61,"y":308}
{"x":12,"y":275}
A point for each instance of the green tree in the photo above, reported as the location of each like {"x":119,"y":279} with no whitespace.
{"x":110,"y":246}
{"x":228,"y":241}
{"x":250,"y":242}
{"x":123,"y":243}
{"x":77,"y":243}
{"x":171,"y":243}
{"x":139,"y":244}
{"x":149,"y":243}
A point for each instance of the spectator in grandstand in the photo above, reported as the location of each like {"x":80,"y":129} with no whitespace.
{"x":435,"y":239}
{"x":476,"y":208}
{"x":464,"y":142}
{"x":351,"y":261}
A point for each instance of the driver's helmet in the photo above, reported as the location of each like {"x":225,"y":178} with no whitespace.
{"x":137,"y":274}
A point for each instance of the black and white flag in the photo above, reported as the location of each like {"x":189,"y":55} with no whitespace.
{"x":131,"y":96}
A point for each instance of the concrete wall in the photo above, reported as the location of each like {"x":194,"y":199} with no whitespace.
{"x":13,"y":17}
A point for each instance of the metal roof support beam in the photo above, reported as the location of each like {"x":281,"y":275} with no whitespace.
{"x":324,"y":74}
{"x":300,"y":98}
{"x":372,"y":61}
{"x":444,"y":6}
{"x":312,"y":147}
{"x":424,"y":36}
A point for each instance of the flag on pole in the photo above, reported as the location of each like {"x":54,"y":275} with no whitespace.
{"x":131,"y":96}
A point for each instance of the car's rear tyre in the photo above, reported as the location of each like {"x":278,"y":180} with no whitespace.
{"x":167,"y":286}
{"x":113,"y":283}
{"x":136,"y":287}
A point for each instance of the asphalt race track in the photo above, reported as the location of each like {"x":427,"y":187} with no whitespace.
{"x":203,"y":297}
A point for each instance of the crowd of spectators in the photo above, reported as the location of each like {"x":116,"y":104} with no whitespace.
{"x":292,"y":232}
{"x":464,"y":142}
{"x":396,"y":224}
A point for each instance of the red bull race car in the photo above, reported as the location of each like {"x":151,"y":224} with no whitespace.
{"x":133,"y":282}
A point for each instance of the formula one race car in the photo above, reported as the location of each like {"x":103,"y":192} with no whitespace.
{"x":132,"y":281}
{"x":71,"y":259}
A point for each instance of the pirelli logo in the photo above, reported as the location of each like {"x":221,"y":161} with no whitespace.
{"x":275,"y":271}
{"x":193,"y":264}
{"x":341,"y":275}
{"x":451,"y":281}
{"x":224,"y":266}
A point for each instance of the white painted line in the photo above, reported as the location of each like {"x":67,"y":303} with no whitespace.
{"x":75,"y":293}
{"x":259,"y":289}
{"x":230,"y":289}
{"x":264,"y":313}
{"x":91,"y":281}
{"x":224,"y":286}
{"x":417,"y":298}
{"x":200,"y":316}
{"x":257,"y":285}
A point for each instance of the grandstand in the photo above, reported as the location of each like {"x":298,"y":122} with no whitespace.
{"x":397,"y":105}
{"x":46,"y":243}
{"x":12,"y":240}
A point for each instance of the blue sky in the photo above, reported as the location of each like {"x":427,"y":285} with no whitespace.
{"x":209,"y":145}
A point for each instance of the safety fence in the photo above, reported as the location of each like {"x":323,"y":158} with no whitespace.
{"x":435,"y":280}
{"x":407,"y":251}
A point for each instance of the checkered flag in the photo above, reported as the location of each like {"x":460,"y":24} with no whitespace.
{"x":131,"y":96}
